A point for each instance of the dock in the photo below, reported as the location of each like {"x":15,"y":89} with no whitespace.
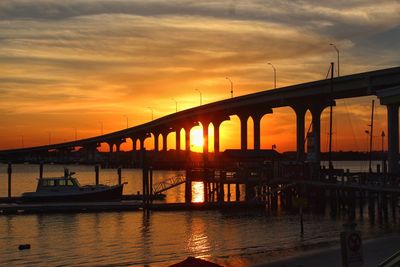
{"x":80,"y":207}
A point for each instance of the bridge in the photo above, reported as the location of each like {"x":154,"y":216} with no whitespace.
{"x":312,"y":96}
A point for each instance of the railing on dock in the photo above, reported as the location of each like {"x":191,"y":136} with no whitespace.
{"x":168,"y":184}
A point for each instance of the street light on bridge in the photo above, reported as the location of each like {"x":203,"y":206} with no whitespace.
{"x":337,"y":52}
{"x":200,"y":95}
{"x":231,"y":85}
{"x":273,"y":67}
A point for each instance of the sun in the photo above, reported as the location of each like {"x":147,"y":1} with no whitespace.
{"x":196,"y":139}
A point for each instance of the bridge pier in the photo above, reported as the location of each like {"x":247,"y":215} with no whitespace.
{"x":187,"y":139}
{"x":391,"y":98}
{"x":205,"y":125}
{"x":243,"y":130}
{"x":393,"y":137}
{"x":300,"y":111}
{"x":165,"y":141}
{"x":178,"y":139}
{"x":257,"y":130}
{"x":156,"y":145}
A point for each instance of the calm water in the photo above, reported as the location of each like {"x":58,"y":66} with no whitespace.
{"x":158,"y":238}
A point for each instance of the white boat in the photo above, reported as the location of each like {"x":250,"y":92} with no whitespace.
{"x":68,"y":189}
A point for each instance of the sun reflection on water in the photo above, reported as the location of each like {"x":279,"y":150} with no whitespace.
{"x":197,"y":192}
{"x":198,"y":243}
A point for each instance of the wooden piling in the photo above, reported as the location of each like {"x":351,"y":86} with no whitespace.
{"x":96,"y":170}
{"x":151,"y":186}
{"x":119,"y":171}
{"x":237,"y":192}
{"x":188,"y":187}
{"x":9,"y":171}
{"x":41,"y":170}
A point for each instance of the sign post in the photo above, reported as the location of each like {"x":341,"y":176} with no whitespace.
{"x":351,"y":245}
{"x":300,"y":202}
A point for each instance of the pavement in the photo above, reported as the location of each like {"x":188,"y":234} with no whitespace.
{"x":374,"y":252}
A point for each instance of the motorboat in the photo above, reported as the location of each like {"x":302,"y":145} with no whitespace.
{"x":68,"y":189}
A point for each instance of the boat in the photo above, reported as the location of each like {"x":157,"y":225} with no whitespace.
{"x":68,"y":189}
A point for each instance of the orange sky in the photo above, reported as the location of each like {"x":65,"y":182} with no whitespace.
{"x":83,"y":64}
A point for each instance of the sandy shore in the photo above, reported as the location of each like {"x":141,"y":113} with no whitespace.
{"x":374,"y":252}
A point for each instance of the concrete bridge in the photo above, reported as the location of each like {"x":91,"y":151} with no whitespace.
{"x":313,"y":96}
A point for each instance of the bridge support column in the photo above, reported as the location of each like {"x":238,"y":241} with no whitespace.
{"x":205,"y":125}
{"x":187,"y":139}
{"x":118,"y":150}
{"x":178,"y":139}
{"x":316,"y":132}
{"x":393,"y":137}
{"x":257,"y":132}
{"x":243,"y":131}
{"x":165,"y":142}
{"x":111,"y":152}
{"x":300,"y":137}
{"x":134,"y":139}
{"x":216,"y":125}
{"x":156,"y":146}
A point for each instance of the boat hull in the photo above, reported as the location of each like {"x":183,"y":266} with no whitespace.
{"x":113,"y":193}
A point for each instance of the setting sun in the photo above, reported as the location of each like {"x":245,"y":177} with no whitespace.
{"x":196,"y":138}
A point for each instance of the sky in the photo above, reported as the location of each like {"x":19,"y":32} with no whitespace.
{"x":81,"y":67}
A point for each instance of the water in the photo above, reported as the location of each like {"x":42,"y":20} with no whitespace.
{"x":157,"y":238}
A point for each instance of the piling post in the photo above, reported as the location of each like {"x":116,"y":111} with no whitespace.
{"x":9,"y":171}
{"x":333,"y":202}
{"x":394,"y":205}
{"x":188,"y":187}
{"x":41,"y":170}
{"x":371,"y":205}
{"x":237,"y":192}
{"x":205,"y":191}
{"x":361,"y":202}
{"x":221,"y":187}
{"x":119,"y":171}
{"x":229,"y":192}
{"x":96,"y":170}
{"x":145,"y":177}
{"x":150,"y":193}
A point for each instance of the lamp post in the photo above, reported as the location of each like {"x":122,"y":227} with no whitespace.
{"x":337,"y":52}
{"x":22,"y":141}
{"x":49,"y":138}
{"x":273,"y":67}
{"x":152,"y":113}
{"x":383,"y":152}
{"x":176,"y":105}
{"x":231,"y":85}
{"x":200,"y":95}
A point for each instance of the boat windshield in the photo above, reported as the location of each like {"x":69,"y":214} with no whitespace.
{"x":59,"y":182}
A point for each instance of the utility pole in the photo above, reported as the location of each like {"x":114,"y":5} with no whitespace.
{"x":371,"y":135}
{"x":330,"y":122}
